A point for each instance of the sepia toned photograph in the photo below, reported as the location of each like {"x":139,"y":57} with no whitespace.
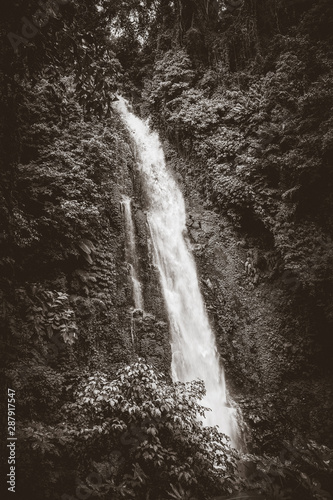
{"x":166,"y":249}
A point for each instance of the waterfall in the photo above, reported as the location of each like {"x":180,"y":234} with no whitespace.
{"x":130,"y":252}
{"x":193,"y":346}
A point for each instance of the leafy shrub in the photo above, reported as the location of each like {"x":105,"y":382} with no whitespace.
{"x":302,"y":472}
{"x":173,"y":74}
{"x":141,"y":435}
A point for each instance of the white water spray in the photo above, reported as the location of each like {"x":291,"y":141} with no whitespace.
{"x":194,"y":352}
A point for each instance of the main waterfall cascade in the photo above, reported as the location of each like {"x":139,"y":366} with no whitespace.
{"x":193,"y":346}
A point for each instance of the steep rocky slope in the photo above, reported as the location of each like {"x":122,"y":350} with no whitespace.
{"x":266,"y":331}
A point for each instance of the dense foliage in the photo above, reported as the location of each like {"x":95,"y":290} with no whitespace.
{"x":131,"y":436}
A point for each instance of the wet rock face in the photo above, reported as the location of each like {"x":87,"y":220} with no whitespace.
{"x":148,"y":273}
{"x":150,"y":329}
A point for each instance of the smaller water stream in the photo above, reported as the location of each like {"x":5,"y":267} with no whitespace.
{"x":131,"y":253}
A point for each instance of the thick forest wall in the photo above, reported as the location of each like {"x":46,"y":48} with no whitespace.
{"x":66,"y":288}
{"x":67,"y":305}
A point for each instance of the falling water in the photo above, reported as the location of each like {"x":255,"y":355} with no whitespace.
{"x":194,"y":352}
{"x":131,"y":254}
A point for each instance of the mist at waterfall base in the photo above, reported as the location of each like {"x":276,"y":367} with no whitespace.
{"x":193,"y":346}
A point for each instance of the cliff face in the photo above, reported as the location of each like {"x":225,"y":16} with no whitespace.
{"x":266,"y":330}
